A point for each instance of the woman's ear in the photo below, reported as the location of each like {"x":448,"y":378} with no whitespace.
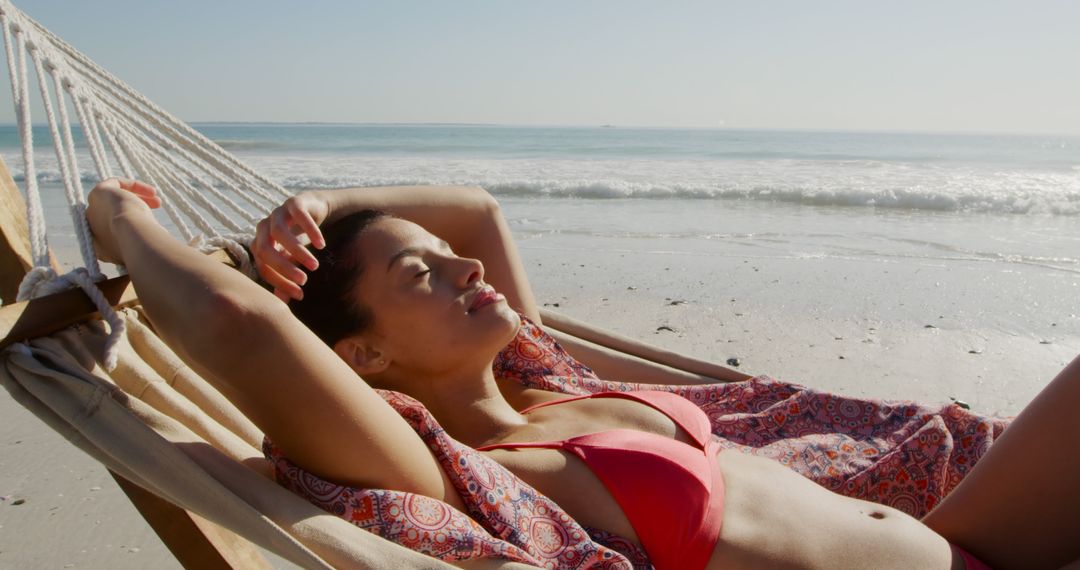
{"x":362,"y":357}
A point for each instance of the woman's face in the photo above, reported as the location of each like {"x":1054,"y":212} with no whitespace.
{"x":433,"y":313}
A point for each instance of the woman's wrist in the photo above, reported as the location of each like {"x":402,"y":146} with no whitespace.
{"x":128,"y":226}
{"x":128,"y":217}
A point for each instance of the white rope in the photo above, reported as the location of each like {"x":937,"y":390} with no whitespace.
{"x":90,"y":131}
{"x":238,"y":245}
{"x":169,"y":163}
{"x":144,"y":173}
{"x":41,"y":281}
{"x":12,"y":75}
{"x":167,"y":181}
{"x":200,"y":183}
{"x":39,"y":246}
{"x":183,"y":146}
{"x":69,"y":167}
{"x":110,"y":137}
{"x":168,"y":122}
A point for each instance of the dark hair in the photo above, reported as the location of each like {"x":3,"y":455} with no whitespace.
{"x":329,"y":307}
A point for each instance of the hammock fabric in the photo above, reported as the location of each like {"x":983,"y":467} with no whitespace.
{"x":161,"y":426}
{"x":897,"y":453}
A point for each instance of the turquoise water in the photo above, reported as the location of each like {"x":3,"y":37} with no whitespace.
{"x":1011,"y":201}
{"x":941,"y":172}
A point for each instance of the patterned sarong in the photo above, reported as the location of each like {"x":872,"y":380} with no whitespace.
{"x":897,"y":453}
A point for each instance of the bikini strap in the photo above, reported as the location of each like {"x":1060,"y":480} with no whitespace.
{"x":553,"y":402}
{"x":541,"y":444}
{"x":513,"y":445}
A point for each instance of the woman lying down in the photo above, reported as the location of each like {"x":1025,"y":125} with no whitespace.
{"x":407,"y":360}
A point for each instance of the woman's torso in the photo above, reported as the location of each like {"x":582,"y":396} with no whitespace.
{"x":771,"y":515}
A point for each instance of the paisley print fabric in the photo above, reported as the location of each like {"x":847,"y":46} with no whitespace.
{"x":507,"y":518}
{"x":894,"y":452}
{"x":898,"y":453}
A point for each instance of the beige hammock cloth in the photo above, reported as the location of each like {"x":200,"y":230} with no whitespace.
{"x":158,"y":424}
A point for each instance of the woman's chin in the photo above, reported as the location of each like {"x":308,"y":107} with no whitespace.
{"x":508,"y":316}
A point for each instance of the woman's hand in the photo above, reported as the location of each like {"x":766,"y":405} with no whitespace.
{"x":113,"y":198}
{"x":277,"y":248}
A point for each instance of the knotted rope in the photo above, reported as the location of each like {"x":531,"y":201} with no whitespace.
{"x":41,"y":281}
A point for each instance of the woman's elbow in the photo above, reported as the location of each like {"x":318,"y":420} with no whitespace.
{"x":478,"y":199}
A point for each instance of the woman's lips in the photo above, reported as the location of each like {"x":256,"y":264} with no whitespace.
{"x":485,"y":297}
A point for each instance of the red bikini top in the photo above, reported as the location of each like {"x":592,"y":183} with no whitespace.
{"x":671,"y":492}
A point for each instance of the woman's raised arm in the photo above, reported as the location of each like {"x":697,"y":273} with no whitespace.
{"x":467,"y":217}
{"x":312,"y":405}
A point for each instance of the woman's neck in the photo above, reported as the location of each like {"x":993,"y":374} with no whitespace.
{"x":470,"y":407}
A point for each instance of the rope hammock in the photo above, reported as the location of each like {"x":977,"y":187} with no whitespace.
{"x":211,"y":198}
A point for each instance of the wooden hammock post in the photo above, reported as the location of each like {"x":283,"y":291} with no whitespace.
{"x":15,"y":258}
{"x":195,"y":541}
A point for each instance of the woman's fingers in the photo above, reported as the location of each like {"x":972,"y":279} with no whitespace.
{"x":282,"y":281}
{"x":284,"y":289}
{"x":274,"y":265}
{"x":302,"y":218}
{"x":278,"y":250}
{"x":285,"y":266}
{"x":137,"y":187}
{"x":145,"y":192}
{"x":280,"y":231}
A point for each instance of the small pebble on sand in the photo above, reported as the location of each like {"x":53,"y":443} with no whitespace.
{"x":974,"y":351}
{"x":733,"y":362}
{"x":842,"y":357}
{"x":18,"y":501}
{"x":1045,"y":342}
{"x":929,"y":327}
{"x":664,"y":328}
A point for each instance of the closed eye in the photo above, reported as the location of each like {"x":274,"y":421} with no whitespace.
{"x":421,"y":274}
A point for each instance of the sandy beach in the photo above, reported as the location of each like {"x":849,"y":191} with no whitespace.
{"x":990,"y":337}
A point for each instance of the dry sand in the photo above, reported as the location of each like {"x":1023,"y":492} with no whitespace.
{"x":990,"y":336}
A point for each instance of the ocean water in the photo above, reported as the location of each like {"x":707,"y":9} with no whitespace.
{"x":1007,"y":200}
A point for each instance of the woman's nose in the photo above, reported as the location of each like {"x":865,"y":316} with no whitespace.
{"x":472,"y":270}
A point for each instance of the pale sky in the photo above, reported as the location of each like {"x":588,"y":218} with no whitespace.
{"x":852,"y":65}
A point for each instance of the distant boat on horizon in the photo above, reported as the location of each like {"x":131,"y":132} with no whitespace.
{"x":607,"y":126}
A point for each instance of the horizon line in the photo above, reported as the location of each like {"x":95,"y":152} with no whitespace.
{"x":608,"y":126}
